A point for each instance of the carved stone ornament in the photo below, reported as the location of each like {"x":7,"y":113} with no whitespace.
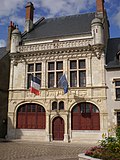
{"x":98,"y":55}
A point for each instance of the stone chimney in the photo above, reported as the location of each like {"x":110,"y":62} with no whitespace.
{"x":11,"y":27}
{"x":29,"y":16}
{"x":100,"y":8}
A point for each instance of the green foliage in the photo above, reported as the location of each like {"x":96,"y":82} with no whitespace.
{"x":118,"y":133}
{"x":108,"y":148}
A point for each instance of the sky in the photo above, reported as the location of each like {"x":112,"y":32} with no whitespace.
{"x":14,"y":10}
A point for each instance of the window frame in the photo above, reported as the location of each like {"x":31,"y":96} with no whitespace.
{"x":117,"y":87}
{"x":58,"y":105}
{"x":55,"y":72}
{"x":77,"y":70}
{"x":29,"y":119}
{"x":34,"y":72}
{"x":84,"y":117}
{"x":118,"y":118}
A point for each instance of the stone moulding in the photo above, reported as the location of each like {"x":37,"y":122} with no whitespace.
{"x":54,"y":45}
{"x":82,"y":156}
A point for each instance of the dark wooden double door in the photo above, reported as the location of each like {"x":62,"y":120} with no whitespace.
{"x":58,"y":128}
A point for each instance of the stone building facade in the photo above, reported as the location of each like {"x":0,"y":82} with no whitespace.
{"x":113,"y":81}
{"x":74,"y":45}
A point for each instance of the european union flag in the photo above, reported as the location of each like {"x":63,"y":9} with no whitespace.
{"x":63,"y":83}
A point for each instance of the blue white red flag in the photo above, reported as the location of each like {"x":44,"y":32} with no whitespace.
{"x":35,"y":85}
{"x":63,"y":83}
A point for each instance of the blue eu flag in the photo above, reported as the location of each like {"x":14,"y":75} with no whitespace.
{"x":63,"y":83}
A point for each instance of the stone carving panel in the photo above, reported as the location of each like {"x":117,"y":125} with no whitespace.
{"x":54,"y":45}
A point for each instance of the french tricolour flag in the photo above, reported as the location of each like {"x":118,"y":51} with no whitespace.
{"x":35,"y":85}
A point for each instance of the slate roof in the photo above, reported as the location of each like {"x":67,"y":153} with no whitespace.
{"x":61,"y":26}
{"x":111,"y":54}
{"x":3,"y":52}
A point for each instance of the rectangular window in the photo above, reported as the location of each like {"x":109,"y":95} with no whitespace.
{"x":117,"y":89}
{"x":73,"y":78}
{"x":58,"y":76}
{"x":59,"y":65}
{"x":50,"y":79}
{"x":55,"y":71}
{"x":73,"y":64}
{"x":77,"y":73}
{"x":82,"y":78}
{"x":51,"y":66}
{"x":34,"y":69}
{"x":118,"y":118}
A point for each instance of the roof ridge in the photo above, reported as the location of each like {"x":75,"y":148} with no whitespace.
{"x":72,"y":15}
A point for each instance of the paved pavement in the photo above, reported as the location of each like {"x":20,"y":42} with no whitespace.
{"x":24,"y":150}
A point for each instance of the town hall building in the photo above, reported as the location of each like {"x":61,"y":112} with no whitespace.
{"x":73,"y":45}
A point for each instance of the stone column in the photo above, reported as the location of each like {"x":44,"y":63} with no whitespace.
{"x":89,"y":71}
{"x":69,"y":127}
{"x":103,"y":69}
{"x":104,"y":121}
{"x":44,"y":74}
{"x":66,"y":128}
{"x":48,"y":126}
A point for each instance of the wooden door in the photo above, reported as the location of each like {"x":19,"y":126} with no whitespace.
{"x":58,"y":128}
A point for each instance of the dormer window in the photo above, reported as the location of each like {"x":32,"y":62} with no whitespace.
{"x":118,"y":56}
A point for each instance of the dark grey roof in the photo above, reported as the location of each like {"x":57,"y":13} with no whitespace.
{"x":111,"y":54}
{"x":61,"y":26}
{"x":3,"y":52}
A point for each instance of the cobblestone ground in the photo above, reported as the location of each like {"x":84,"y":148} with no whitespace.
{"x":41,"y":151}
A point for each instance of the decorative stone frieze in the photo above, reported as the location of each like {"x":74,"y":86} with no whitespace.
{"x":54,"y":45}
{"x":77,"y":52}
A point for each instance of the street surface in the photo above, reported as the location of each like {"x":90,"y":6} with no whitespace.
{"x":27,"y":150}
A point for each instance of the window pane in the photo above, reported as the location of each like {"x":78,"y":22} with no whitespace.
{"x":118,"y":118}
{"x":82,"y":78}
{"x":73,"y":79}
{"x":54,"y":105}
{"x":50,"y":65}
{"x":28,"y":108}
{"x":118,"y":93}
{"x":29,"y":77}
{"x":38,"y":109}
{"x":50,"y":80}
{"x":38,"y":75}
{"x":38,"y":67}
{"x":23,"y":109}
{"x":19,"y":109}
{"x":59,"y":65}
{"x":42,"y":109}
{"x":81,"y":64}
{"x":33,"y":108}
{"x":30,"y":67}
{"x":82,"y":108}
{"x":75,"y":109}
{"x":59,"y":74}
{"x":117,"y":83}
{"x":61,"y":105}
{"x":87,"y":108}
{"x":73,"y":64}
{"x":95,"y":109}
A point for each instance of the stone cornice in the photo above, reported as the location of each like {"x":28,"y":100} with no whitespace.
{"x":72,"y":52}
{"x":55,"y":45}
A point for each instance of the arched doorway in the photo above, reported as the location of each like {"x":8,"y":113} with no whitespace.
{"x":58,"y":128}
{"x":31,"y":116}
{"x":85,"y":116}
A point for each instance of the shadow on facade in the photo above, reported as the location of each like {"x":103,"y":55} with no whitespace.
{"x":12,"y":132}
